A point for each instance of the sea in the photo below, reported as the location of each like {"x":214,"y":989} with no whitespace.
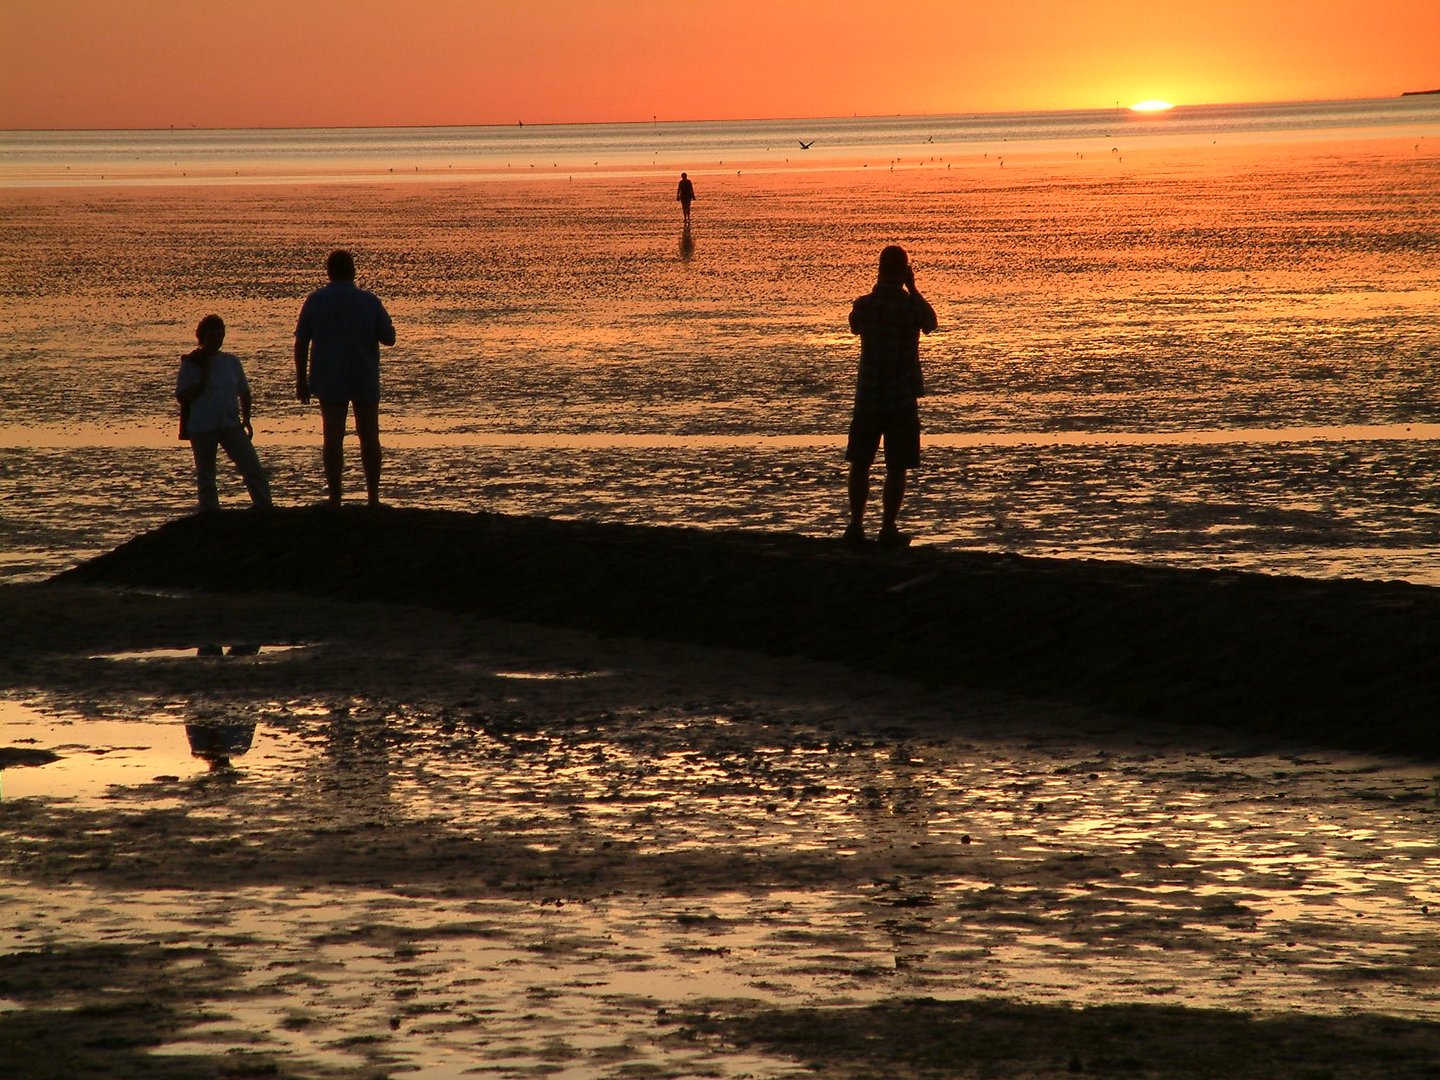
{"x":1204,"y":338}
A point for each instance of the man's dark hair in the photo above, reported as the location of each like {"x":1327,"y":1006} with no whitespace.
{"x":893,"y":261}
{"x":207,"y":322}
{"x":340,"y":266}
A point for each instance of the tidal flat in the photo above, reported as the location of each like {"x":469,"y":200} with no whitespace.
{"x":344,"y":838}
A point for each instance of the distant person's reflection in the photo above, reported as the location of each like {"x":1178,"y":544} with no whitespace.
{"x":687,"y":244}
{"x":216,"y":742}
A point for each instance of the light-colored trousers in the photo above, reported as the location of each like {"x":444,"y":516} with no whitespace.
{"x":205,"y":444}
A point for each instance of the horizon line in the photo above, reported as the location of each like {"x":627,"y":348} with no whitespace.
{"x":714,"y":120}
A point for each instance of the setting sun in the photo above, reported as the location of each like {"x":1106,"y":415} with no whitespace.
{"x":67,"y":64}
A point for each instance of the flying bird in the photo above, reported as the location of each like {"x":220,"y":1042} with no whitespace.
{"x":805,"y":145}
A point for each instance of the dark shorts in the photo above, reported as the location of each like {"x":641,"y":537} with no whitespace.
{"x":900,"y":432}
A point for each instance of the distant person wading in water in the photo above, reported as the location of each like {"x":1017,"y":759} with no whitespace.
{"x":889,"y":319}
{"x":337,"y":359}
{"x":685,"y":195}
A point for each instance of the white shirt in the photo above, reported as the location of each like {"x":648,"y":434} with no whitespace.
{"x":218,"y":405}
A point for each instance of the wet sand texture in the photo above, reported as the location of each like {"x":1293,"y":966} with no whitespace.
{"x":1348,"y":663}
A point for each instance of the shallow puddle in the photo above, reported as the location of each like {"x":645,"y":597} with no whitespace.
{"x":215,"y":651}
{"x":95,"y":756}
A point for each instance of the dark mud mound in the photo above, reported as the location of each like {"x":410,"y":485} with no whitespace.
{"x":1351,"y":663}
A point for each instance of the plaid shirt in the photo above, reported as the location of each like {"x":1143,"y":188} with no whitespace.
{"x":889,"y":321}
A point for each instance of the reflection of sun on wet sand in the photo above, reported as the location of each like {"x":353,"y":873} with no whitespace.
{"x":703,"y":861}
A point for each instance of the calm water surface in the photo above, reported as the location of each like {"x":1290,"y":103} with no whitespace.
{"x":1205,"y":339}
{"x":29,"y":158}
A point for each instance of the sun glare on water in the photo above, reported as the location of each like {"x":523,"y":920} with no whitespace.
{"x":1153,"y":105}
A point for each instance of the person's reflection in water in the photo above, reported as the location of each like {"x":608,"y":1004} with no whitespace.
{"x":216,"y":742}
{"x":687,"y":243}
{"x":211,"y":649}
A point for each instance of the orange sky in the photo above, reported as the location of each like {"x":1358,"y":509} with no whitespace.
{"x":246,"y":63}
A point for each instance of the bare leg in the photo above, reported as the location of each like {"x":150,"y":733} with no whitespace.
{"x":859,"y":490}
{"x":893,"y":496}
{"x":367,"y":427}
{"x":332,"y":415}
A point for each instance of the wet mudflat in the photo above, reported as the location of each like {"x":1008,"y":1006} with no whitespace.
{"x":442,"y":845}
{"x":1216,"y":357}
